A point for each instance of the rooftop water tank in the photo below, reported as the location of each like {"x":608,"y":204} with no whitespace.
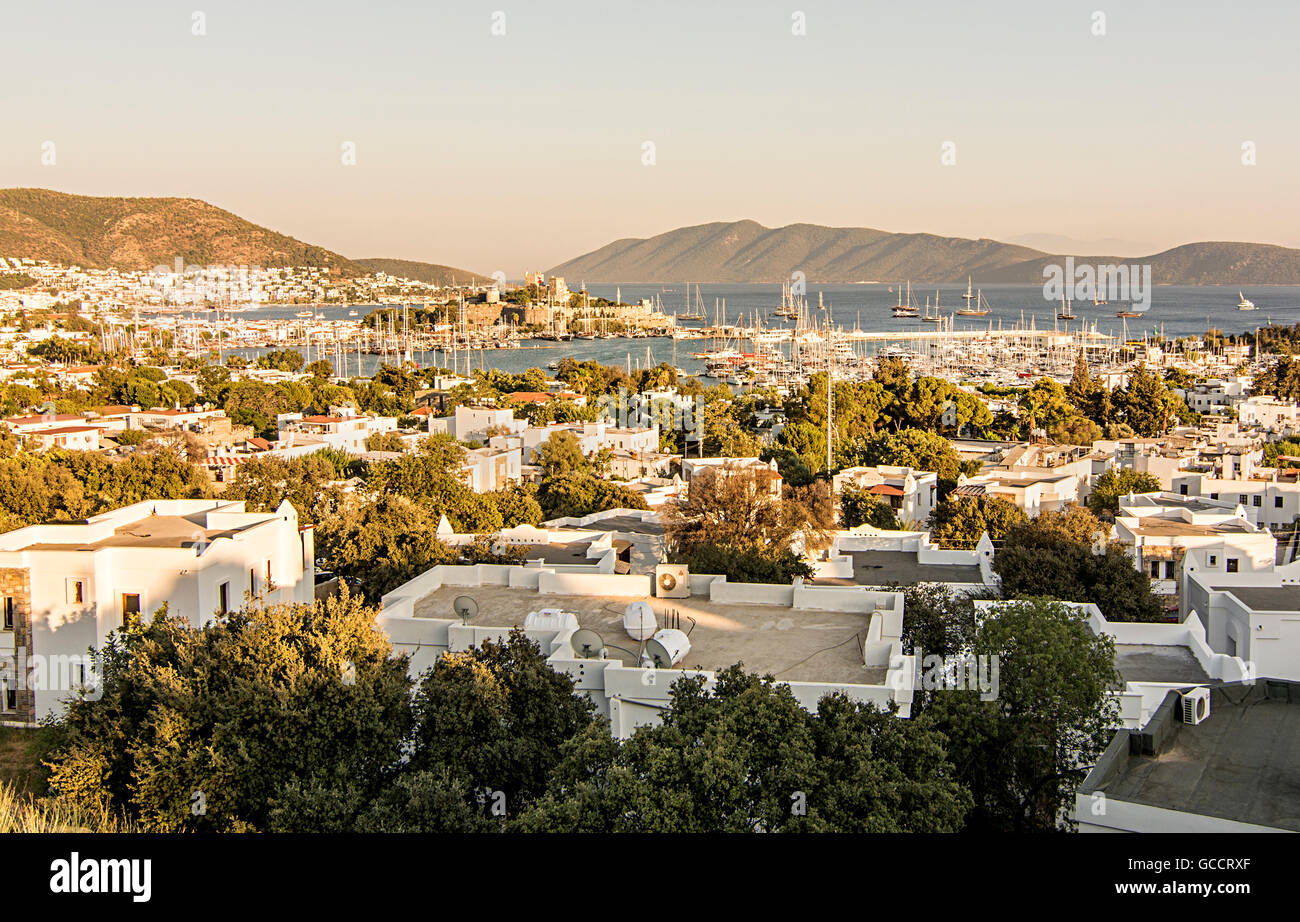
{"x":551,"y":619}
{"x":639,"y":621}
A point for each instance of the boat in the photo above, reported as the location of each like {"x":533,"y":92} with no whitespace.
{"x":1065,"y":312}
{"x":906,"y":309}
{"x":1128,"y":313}
{"x":937,"y":316}
{"x":1245,"y":304}
{"x":981,"y":305}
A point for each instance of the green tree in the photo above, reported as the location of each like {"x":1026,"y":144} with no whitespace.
{"x":1023,"y":753}
{"x":1065,"y":555}
{"x":1117,"y":482}
{"x":738,"y":758}
{"x":859,"y":506}
{"x":958,"y":522}
{"x":231,"y":713}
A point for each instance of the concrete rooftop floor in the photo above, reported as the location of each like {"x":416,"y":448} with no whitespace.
{"x":793,"y":645}
{"x":1153,"y":663}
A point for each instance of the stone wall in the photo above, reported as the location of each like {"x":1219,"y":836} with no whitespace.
{"x":15,"y":582}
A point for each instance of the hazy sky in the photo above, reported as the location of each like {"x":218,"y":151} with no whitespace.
{"x":519,"y":151}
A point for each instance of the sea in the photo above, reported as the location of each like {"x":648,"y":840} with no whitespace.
{"x":1175,"y":311}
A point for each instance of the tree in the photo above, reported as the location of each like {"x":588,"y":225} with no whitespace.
{"x":914,"y":448}
{"x":227,"y":715}
{"x":746,"y":757}
{"x":731,"y":522}
{"x":958,"y":522}
{"x":381,"y":543}
{"x":561,"y":454}
{"x":937,"y":620}
{"x":1023,"y":753}
{"x":385,"y":441}
{"x":582,"y":494}
{"x":1117,"y":482}
{"x":859,"y":506}
{"x":1065,"y":555}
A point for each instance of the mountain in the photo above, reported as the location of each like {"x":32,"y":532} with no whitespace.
{"x":1060,"y":243}
{"x":141,"y":233}
{"x":430,"y":273}
{"x":746,"y":251}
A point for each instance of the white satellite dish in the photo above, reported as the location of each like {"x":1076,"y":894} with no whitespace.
{"x":667,"y":648}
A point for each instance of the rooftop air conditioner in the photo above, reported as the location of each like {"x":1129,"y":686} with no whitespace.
{"x":1196,"y":705}
{"x":672,"y":581}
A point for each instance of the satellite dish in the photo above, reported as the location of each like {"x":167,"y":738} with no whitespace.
{"x":667,"y":648}
{"x":464,"y":607}
{"x":657,"y":654}
{"x":586,"y":643}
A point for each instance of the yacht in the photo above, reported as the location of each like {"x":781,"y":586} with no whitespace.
{"x":1245,"y":304}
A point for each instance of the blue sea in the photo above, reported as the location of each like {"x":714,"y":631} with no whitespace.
{"x":1175,"y":311}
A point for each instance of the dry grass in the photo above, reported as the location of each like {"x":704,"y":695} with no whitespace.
{"x":23,"y":813}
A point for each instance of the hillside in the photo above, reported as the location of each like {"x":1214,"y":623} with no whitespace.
{"x":745,"y":251}
{"x":430,"y":273}
{"x":140,"y":233}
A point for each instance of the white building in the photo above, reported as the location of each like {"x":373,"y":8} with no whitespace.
{"x":65,"y":587}
{"x":910,"y":493}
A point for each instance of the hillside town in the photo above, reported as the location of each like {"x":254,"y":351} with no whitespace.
{"x":867,"y":532}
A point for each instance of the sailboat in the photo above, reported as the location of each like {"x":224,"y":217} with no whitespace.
{"x":937,"y":316}
{"x":1128,"y":312}
{"x":1245,"y":304}
{"x":979,"y":308}
{"x":907,"y":309}
{"x":697,"y":313}
{"x":1066,"y":313}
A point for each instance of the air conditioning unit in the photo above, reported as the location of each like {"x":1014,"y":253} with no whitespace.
{"x":1196,"y":705}
{"x":672,"y":581}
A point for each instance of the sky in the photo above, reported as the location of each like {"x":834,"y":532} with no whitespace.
{"x":513,"y":152}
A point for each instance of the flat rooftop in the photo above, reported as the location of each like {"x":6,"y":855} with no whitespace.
{"x":1140,"y":662}
{"x":797,"y":645}
{"x":876,"y":568}
{"x":1242,"y":763}
{"x":174,"y":531}
{"x":1266,"y":598}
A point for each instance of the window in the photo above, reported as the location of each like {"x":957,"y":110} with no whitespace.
{"x":252,"y":581}
{"x":223,"y":597}
{"x":1155,"y":569}
{"x":9,"y":613}
{"x":268,"y":575}
{"x":1232,"y":564}
{"x":1278,"y":502}
{"x":1214,"y":560}
{"x":76,"y":592}
{"x":1182,"y":488}
{"x":130,"y":608}
{"x":11,"y":699}
{"x":1256,"y":500}
{"x":1170,"y":572}
{"x":1214,"y":496}
{"x":1242,"y":498}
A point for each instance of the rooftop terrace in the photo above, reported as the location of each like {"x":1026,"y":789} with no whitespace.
{"x":790,"y":644}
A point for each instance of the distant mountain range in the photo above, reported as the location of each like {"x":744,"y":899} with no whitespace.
{"x":140,"y":233}
{"x":746,"y":251}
